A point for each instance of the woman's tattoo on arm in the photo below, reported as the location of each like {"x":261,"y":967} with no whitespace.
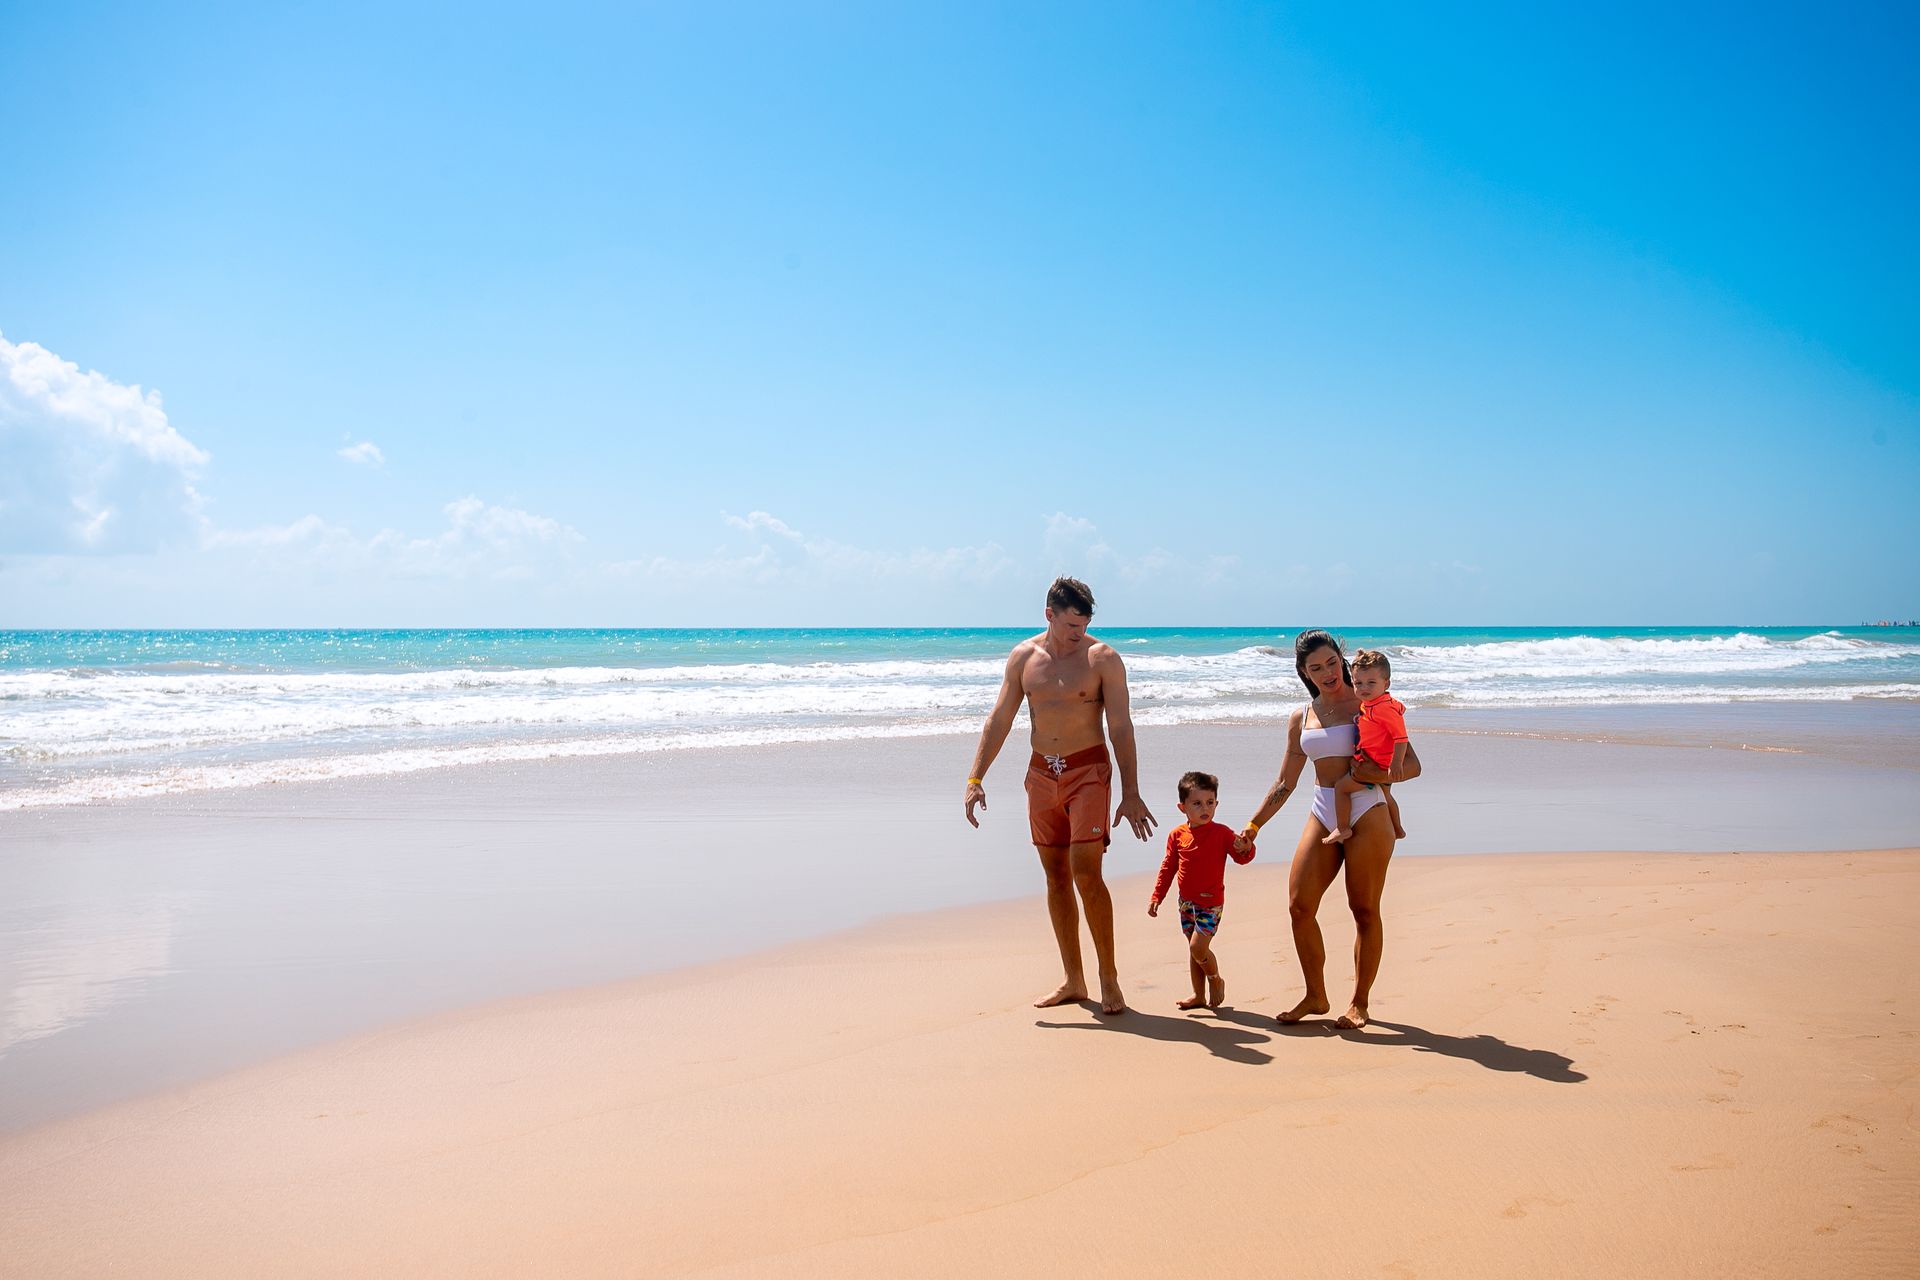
{"x":1277,"y":795}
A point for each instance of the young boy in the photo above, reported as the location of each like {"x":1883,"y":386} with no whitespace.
{"x":1383,"y":724}
{"x":1199,"y":850}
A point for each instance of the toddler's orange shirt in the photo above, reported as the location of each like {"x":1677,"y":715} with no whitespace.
{"x":1382,"y":723}
{"x":1201,"y":859}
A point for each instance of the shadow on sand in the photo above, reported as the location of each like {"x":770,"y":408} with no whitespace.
{"x":1218,"y":1033}
{"x":1490,"y":1052}
{"x":1215,"y":1031}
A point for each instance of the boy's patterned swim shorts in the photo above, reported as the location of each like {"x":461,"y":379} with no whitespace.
{"x":1205,"y":919}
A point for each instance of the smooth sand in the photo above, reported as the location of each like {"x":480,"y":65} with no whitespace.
{"x":148,"y":944}
{"x":1599,"y":1064}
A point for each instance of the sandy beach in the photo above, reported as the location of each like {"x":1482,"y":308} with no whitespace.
{"x":1584,"y":1065}
{"x":150,"y":944}
{"x":476,"y":1022}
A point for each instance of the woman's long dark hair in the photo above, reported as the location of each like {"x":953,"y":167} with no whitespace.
{"x":1303,"y":646}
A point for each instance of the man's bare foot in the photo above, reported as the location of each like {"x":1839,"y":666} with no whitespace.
{"x":1216,"y":991}
{"x":1111,"y":1001}
{"x":1191,"y":1002}
{"x":1353,"y":1019}
{"x":1340,"y":836}
{"x":1307,"y":1007}
{"x":1066,"y":993}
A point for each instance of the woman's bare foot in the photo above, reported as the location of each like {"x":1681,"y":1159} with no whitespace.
{"x":1307,"y":1007}
{"x":1111,"y":1001}
{"x":1353,"y":1019}
{"x":1066,"y":993}
{"x":1191,"y":1002}
{"x":1341,"y":836}
{"x":1216,"y":991}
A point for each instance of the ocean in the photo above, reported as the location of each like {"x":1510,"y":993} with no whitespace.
{"x":97,"y":715}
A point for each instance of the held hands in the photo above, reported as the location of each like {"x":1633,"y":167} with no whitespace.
{"x":1244,"y":841}
{"x":1153,"y":907}
{"x":1134,"y":810}
{"x":976,"y":795}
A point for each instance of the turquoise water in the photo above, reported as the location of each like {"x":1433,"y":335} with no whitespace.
{"x":93,"y":714}
{"x":380,"y":650}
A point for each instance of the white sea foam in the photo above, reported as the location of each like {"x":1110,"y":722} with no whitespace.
{"x":99,"y":732}
{"x":256,"y":773}
{"x":1574,"y":657}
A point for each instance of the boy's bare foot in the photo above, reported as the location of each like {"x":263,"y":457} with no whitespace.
{"x":1191,"y":1002}
{"x":1066,"y":993}
{"x":1307,"y":1007}
{"x":1111,"y":1001}
{"x":1340,"y":836}
{"x":1216,"y":991}
{"x":1353,"y":1019}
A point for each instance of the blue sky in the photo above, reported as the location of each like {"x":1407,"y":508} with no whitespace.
{"x":886,"y":314}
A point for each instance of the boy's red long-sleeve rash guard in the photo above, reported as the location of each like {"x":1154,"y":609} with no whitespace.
{"x":1200,"y":858}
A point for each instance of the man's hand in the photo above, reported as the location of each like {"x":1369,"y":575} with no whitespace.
{"x":976,"y":795}
{"x":1153,"y":907}
{"x":1134,"y":810}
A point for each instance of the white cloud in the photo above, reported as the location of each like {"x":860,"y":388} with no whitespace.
{"x":88,"y":464}
{"x":480,"y":541}
{"x":364,"y":454}
{"x":1075,"y":546}
{"x":755,"y":521}
{"x":1074,"y":542}
{"x":778,"y":553}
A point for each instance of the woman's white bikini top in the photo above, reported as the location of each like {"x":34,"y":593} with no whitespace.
{"x":1340,"y":740}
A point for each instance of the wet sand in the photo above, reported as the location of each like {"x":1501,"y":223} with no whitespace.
{"x":148,"y":944}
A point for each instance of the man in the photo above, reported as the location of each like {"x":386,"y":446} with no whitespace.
{"x":1068,"y":680}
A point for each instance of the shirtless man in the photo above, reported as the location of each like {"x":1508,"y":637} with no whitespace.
{"x":1068,"y":679}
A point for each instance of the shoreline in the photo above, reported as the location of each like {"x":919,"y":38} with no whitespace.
{"x":775,"y":1114}
{"x":1875,"y":732}
{"x":153,"y":943}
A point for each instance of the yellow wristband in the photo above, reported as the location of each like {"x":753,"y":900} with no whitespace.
{"x":1253,"y":827}
{"x":976,"y":782}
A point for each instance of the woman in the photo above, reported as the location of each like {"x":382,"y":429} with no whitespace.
{"x":1323,"y":732}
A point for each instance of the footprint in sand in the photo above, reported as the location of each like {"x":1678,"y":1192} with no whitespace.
{"x":1518,"y":1209}
{"x":1729,"y":1077}
{"x":1600,"y":1006}
{"x":1718,"y":1160}
{"x":1841,"y":1122}
{"x":1847,"y":1215}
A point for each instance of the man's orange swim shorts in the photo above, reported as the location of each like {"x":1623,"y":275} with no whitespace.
{"x":1068,"y":798}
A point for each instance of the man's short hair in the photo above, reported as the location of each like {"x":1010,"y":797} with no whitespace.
{"x":1365,"y":658}
{"x":1070,"y":593}
{"x":1194,"y":780}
